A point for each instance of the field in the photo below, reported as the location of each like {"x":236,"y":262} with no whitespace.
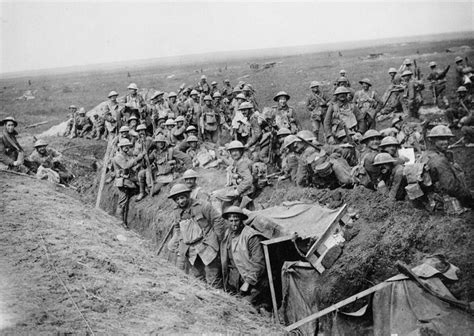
{"x":115,"y":277}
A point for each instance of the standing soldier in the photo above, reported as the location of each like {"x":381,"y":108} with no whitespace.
{"x":406,"y":66}
{"x":283,"y":115}
{"x":317,"y":104}
{"x":172,"y":103}
{"x":214,"y":88}
{"x":194,"y":109}
{"x":343,"y":81}
{"x":340,"y":115}
{"x":200,"y":230}
{"x":209,"y":121}
{"x":125,"y":178}
{"x":411,"y":98}
{"x":342,"y":74}
{"x":459,"y":71}
{"x":437,"y":79}
{"x":368,"y":103}
{"x":227,"y":90}
{"x":115,"y":122}
{"x":203,"y":86}
{"x":249,"y":96}
{"x":134,"y":102}
{"x":71,"y":117}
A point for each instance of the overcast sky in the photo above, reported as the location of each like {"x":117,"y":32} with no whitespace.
{"x":41,"y":34}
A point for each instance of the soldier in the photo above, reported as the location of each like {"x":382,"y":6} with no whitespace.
{"x":249,"y":96}
{"x":411,"y":98}
{"x":243,"y":261}
{"x":50,"y":158}
{"x":199,"y":230}
{"x":406,"y":66}
{"x":392,"y":72}
{"x":305,"y":150}
{"x":343,"y":81}
{"x":114,"y":122}
{"x":203,"y":86}
{"x":437,"y":79}
{"x":459,"y":71}
{"x":190,"y":180}
{"x":390,"y":145}
{"x":132,"y":124}
{"x":365,"y":172}
{"x":82,"y":124}
{"x":11,"y":153}
{"x":392,"y":96}
{"x":98,"y":127}
{"x":194,"y":109}
{"x":391,"y":180}
{"x":209,"y":121}
{"x":143,"y":144}
{"x":72,"y":109}
{"x":340,"y":115}
{"x":125,"y":178}
{"x":236,"y":102}
{"x":317,"y":104}
{"x":183,"y":103}
{"x":467,"y":129}
{"x":289,"y":159}
{"x":169,"y":125}
{"x":283,"y":115}
{"x":460,"y":108}
{"x":158,"y":107}
{"x":227,"y":89}
{"x":214,"y":88}
{"x":178,"y":132}
{"x":173,"y":104}
{"x":245,"y":127}
{"x":342,"y":74}
{"x":447,"y":177}
{"x":369,"y":104}
{"x":134,"y":102}
{"x":192,"y":148}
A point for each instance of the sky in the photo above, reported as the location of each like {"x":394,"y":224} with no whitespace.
{"x":39,"y":34}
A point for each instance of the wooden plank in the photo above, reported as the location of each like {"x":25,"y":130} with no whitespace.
{"x":104,"y":171}
{"x":278,"y":240}
{"x":37,"y":124}
{"x":270,"y":279}
{"x":327,"y":231}
{"x":338,"y":305}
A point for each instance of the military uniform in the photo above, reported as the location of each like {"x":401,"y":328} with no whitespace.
{"x":317,"y":104}
{"x":284,"y":117}
{"x":368,"y":103}
{"x":411,"y":99}
{"x":210,"y":124}
{"x":456,"y":111}
{"x":304,"y":171}
{"x":240,"y":176}
{"x":51,"y":159}
{"x":201,"y":229}
{"x":338,"y":112}
{"x":395,"y":182}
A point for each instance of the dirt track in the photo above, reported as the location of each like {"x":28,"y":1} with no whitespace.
{"x":117,"y":283}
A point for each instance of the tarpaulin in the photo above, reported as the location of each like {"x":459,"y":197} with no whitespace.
{"x":308,"y":220}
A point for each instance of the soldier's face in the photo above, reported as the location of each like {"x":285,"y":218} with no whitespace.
{"x":180,"y":124}
{"x":461,"y":95}
{"x":193,"y":144}
{"x":182,"y":200}
{"x":194,"y":97}
{"x":392,"y":74}
{"x":365,"y":86}
{"x":142,"y":133}
{"x":236,"y":154}
{"x":208,"y":102}
{"x":132,"y":91}
{"x":172,"y":100}
{"x":123,"y":134}
{"x":299,"y":146}
{"x":113,"y":99}
{"x":341,"y":97}
{"x":282,"y":100}
{"x":442,"y":144}
{"x":190,"y":182}
{"x":160,"y":144}
{"x":392,"y":150}
{"x":235,"y":223}
{"x":10,"y":126}
{"x":315,"y":89}
{"x":125,"y":149}
{"x":373,"y":143}
{"x":386,"y":169}
{"x":406,"y":78}
{"x":133,"y":123}
{"x":41,"y":149}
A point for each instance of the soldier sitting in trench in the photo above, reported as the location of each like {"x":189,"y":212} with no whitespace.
{"x":49,"y":163}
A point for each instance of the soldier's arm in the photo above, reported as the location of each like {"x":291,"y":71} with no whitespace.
{"x":215,"y":220}
{"x":247,"y":179}
{"x":57,"y":156}
{"x":4,"y":158}
{"x":396,"y":184}
{"x":257,"y":257}
{"x":256,"y":134}
{"x":328,"y":121}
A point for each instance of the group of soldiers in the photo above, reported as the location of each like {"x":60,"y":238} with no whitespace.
{"x":157,"y":140}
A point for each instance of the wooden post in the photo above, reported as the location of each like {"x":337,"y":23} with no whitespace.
{"x":104,"y":171}
{"x":270,"y":279}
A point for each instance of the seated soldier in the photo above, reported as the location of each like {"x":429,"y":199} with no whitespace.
{"x":198,"y":231}
{"x":365,"y":172}
{"x":289,"y":159}
{"x":11,"y":153}
{"x":168,"y":131}
{"x":304,"y":149}
{"x":391,"y":180}
{"x":447,"y":177}
{"x":125,"y":177}
{"x":467,"y":130}
{"x":178,"y":132}
{"x":391,"y":146}
{"x":160,"y":125}
{"x":81,"y":125}
{"x":190,"y":179}
{"x":193,"y":149}
{"x":209,"y":121}
{"x":98,"y":127}
{"x":460,"y":107}
{"x":243,"y":261}
{"x":72,"y":109}
{"x":132,"y":123}
{"x":281,"y":134}
{"x":50,"y":158}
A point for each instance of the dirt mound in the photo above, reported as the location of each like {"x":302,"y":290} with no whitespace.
{"x":118,"y":284}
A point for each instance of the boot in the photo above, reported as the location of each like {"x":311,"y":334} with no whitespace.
{"x":142,"y":194}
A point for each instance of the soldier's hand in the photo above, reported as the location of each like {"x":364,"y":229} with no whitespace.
{"x":245,"y":287}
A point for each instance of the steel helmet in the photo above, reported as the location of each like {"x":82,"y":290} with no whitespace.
{"x":371,"y":134}
{"x":124,"y":142}
{"x":458,"y":59}
{"x":217,"y":94}
{"x":71,"y":107}
{"x":383,"y":158}
{"x":40,"y":143}
{"x":124,"y":129}
{"x":290,"y":139}
{"x":157,"y":94}
{"x":132,"y":86}
{"x":191,"y":128}
{"x":392,"y":70}
{"x":170,"y":122}
{"x":235,"y":145}
{"x":192,"y":138}
{"x":214,"y":83}
{"x":365,"y":80}
{"x":246,"y":106}
{"x":306,"y":135}
{"x":233,"y":209}
{"x":112,"y":94}
{"x":407,"y":73}
{"x":241,"y":96}
{"x":178,"y":189}
{"x":461,"y":89}
{"x":179,"y":118}
{"x":203,"y":77}
{"x":172,"y":94}
{"x":283,"y":131}
{"x":280,"y":94}
{"x":133,"y":117}
{"x":246,"y":88}
{"x":440,"y":131}
{"x":396,"y":120}
{"x":236,"y":89}
{"x":389,"y":141}
{"x":342,"y":134}
{"x":342,"y":71}
{"x":209,"y":98}
{"x":194,"y":92}
{"x":342,"y":80}
{"x":190,"y":174}
{"x":141,"y":127}
{"x":4,"y":121}
{"x":407,"y":61}
{"x":160,"y":138}
{"x":432,"y":64}
{"x":226,"y":81}
{"x":81,"y":111}
{"x":341,"y":90}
